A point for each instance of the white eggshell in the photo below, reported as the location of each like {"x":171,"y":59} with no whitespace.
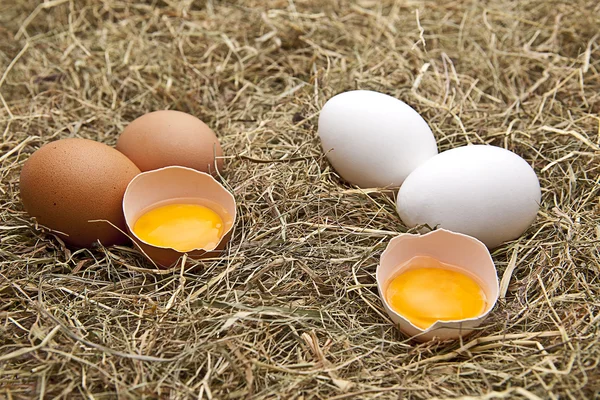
{"x":483,"y":191}
{"x":452,"y":248}
{"x":372,"y":139}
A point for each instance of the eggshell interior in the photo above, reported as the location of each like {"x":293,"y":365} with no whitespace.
{"x":457,"y":249}
{"x":151,"y":187}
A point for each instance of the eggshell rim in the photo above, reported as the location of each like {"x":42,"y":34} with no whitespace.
{"x":225,"y":233}
{"x":438,"y":324}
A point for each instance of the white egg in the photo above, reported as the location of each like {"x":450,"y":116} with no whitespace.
{"x":483,"y":191}
{"x":372,"y":139}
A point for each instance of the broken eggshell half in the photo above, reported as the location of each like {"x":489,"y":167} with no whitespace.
{"x":177,"y":184}
{"x":457,"y":249}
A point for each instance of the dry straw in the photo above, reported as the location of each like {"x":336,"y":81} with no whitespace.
{"x":292,"y":311}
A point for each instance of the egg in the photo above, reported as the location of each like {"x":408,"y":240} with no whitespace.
{"x":176,"y":210}
{"x":483,"y":191}
{"x":164,"y":138}
{"x":429,"y":290}
{"x":69,"y":182}
{"x":372,"y":139}
{"x":440,"y":297}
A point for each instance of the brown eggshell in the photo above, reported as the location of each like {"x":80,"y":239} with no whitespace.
{"x":69,"y":182}
{"x":170,"y":184}
{"x":166,"y":138}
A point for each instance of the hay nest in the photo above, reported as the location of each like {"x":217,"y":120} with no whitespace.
{"x":292,"y":310}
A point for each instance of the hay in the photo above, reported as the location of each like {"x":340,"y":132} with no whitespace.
{"x":292,"y":310}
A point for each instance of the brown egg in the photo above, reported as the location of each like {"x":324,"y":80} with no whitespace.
{"x":177,"y":184}
{"x":167,"y":138}
{"x":69,"y":182}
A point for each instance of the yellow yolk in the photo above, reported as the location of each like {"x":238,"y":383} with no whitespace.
{"x":430,"y":294}
{"x":183,"y":227}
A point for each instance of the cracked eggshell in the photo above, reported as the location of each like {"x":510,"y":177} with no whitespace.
{"x":171,"y":184}
{"x":448,"y":247}
{"x":372,"y":139}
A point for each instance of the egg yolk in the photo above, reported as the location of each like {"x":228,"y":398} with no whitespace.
{"x":424,"y":295}
{"x":183,"y":227}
